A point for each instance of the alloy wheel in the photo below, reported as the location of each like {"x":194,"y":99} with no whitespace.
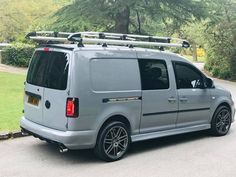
{"x":223,"y":121}
{"x":115,"y":142}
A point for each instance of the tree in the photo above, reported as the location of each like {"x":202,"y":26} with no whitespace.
{"x":16,"y":17}
{"x":123,"y":15}
{"x":194,"y":33}
{"x":221,"y":39}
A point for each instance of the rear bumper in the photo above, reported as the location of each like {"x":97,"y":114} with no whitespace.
{"x":70,"y":139}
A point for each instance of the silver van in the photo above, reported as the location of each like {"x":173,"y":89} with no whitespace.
{"x":106,"y":96}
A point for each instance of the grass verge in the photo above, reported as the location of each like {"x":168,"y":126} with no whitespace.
{"x":11,"y":100}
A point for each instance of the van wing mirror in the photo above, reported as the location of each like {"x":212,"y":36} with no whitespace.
{"x":209,"y":83}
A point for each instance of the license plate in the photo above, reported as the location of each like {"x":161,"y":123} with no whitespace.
{"x":32,"y":100}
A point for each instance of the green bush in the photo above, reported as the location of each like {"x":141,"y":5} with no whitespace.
{"x":18,"y":54}
{"x":221,"y":54}
{"x":218,"y":66}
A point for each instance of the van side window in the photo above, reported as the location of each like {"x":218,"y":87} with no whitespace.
{"x":154,"y":74}
{"x":187,"y":76}
{"x":114,"y":74}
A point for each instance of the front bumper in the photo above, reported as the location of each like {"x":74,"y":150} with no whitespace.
{"x":233,"y":111}
{"x":233,"y":114}
{"x":70,"y":139}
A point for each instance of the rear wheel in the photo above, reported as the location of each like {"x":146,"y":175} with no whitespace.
{"x":113,"y":141}
{"x":221,"y":121}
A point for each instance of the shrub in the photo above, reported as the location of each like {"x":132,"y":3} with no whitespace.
{"x":18,"y":54}
{"x":221,"y":54}
{"x":218,"y":66}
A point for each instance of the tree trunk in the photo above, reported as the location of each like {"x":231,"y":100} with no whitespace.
{"x":122,"y":21}
{"x":194,"y":52}
{"x":139,"y":22}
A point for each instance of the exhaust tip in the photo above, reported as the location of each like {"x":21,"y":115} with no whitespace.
{"x":24,"y":133}
{"x":63,"y":149}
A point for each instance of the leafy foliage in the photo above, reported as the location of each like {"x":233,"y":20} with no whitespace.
{"x":16,"y":17}
{"x":18,"y":55}
{"x":126,"y":15}
{"x":194,"y":33}
{"x":221,"y":41}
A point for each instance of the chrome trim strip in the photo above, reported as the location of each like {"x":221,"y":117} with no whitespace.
{"x":122,"y":99}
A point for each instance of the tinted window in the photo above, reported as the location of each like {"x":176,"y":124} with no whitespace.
{"x":49,"y":69}
{"x":187,"y":76}
{"x":154,"y":74}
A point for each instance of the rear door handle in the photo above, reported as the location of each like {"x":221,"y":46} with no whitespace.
{"x":172,"y":99}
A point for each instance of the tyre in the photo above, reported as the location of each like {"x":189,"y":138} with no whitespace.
{"x":113,"y":141}
{"x":221,"y":121}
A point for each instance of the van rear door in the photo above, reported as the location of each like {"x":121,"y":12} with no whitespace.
{"x":55,"y":84}
{"x":34,"y":88}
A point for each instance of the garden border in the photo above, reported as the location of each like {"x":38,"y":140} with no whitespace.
{"x":9,"y":135}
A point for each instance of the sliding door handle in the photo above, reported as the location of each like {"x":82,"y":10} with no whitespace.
{"x":183,"y":99}
{"x":172,"y":99}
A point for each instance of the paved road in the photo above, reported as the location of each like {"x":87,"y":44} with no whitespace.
{"x":190,"y":155}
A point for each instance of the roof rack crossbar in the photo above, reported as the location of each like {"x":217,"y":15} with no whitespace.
{"x":108,"y":38}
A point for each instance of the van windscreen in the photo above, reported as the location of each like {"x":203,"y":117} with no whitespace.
{"x":49,"y":69}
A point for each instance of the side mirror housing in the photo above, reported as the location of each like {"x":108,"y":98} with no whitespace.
{"x":209,"y":83}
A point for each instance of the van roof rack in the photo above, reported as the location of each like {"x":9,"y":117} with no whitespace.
{"x":106,"y":38}
{"x":5,"y":44}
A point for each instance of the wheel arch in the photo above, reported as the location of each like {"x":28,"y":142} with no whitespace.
{"x":118,"y":117}
{"x":223,"y":103}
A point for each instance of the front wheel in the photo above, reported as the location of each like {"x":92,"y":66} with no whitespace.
{"x":221,"y":121}
{"x":113,"y":141}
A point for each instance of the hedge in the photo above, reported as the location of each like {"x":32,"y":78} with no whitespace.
{"x":18,"y":54}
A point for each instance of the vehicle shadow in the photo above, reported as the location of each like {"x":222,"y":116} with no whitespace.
{"x":70,"y":157}
{"x":87,"y":156}
{"x":159,"y":143}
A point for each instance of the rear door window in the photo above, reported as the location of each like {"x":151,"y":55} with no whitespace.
{"x":49,"y":69}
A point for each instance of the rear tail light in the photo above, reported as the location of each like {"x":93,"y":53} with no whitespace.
{"x":72,"y":107}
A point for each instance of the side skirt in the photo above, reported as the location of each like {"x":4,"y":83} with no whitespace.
{"x":176,"y":131}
